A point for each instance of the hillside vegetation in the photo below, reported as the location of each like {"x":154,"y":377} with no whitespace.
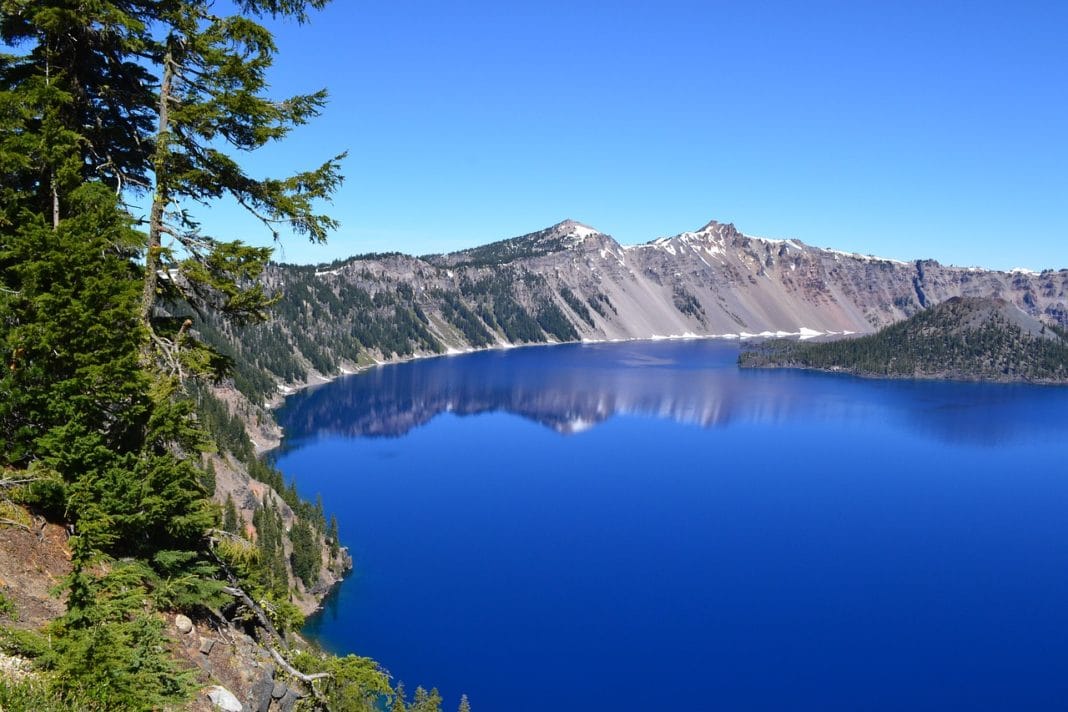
{"x":148,"y":559}
{"x":962,"y":338}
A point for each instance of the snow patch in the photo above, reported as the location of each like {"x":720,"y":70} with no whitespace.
{"x":664,"y":243}
{"x":580,"y":230}
{"x":862,"y":258}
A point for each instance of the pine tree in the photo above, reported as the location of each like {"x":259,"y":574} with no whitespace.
{"x":399,"y":704}
{"x":231,"y":519}
{"x":212,"y":94}
{"x":305,"y":558}
{"x":334,"y":537}
{"x":107,"y":99}
{"x":426,"y":701}
{"x":465,"y":706}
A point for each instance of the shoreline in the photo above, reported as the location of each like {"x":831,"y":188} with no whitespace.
{"x":320,"y":380}
{"x":285,"y":391}
{"x":919,"y":377}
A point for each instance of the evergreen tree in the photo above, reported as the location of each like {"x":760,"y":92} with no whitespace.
{"x":231,"y":519}
{"x":212,"y":94}
{"x":305,"y":558}
{"x":334,"y":537}
{"x":110,"y":98}
{"x":465,"y":706}
{"x":398,"y":704}
{"x":425,"y":701}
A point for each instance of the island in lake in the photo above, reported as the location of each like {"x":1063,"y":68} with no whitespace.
{"x":962,"y":338}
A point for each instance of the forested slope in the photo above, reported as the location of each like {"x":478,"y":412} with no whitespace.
{"x":971,"y":339}
{"x":569,"y":282}
{"x":148,"y":559}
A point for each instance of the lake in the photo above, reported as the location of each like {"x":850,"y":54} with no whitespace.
{"x":643,"y":526}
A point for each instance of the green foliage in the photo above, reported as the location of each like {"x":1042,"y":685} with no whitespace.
{"x":25,"y":643}
{"x":37,"y":695}
{"x":503,"y":252}
{"x":231,"y":519}
{"x":553,"y":321}
{"x":960,"y":338}
{"x":110,"y":646}
{"x":7,"y":608}
{"x":688,"y":304}
{"x":104,"y":330}
{"x":425,"y":701}
{"x":333,"y":537}
{"x":601,"y":304}
{"x":457,"y":313}
{"x":306,"y":557}
{"x":398,"y":704}
{"x":207,"y":477}
{"x":576,"y":305}
{"x":270,"y":530}
{"x":121,"y":664}
{"x":92,"y":393}
{"x":72,"y":384}
{"x":356,"y":684}
{"x":499,"y":307}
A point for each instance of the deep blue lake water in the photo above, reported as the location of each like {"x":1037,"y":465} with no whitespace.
{"x":642,"y":526}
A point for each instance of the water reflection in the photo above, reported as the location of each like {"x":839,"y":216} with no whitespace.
{"x":573,"y":388}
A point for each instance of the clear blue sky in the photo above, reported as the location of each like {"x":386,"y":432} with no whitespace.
{"x":903,"y":129}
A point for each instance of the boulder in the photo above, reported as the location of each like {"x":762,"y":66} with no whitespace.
{"x":223,"y":699}
{"x":288,"y":701}
{"x":183,"y":624}
{"x":260,"y":695}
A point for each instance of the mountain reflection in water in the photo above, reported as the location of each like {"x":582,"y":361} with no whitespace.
{"x":574,"y":387}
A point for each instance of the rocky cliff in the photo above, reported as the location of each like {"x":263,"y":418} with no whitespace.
{"x":572,"y":282}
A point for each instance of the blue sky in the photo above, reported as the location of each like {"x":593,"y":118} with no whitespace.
{"x":904,"y":129}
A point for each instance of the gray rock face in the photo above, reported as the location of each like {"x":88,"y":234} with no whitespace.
{"x":570,"y":282}
{"x":288,"y":701}
{"x":260,"y":695}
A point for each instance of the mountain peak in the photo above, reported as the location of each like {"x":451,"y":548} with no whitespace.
{"x":574,"y":227}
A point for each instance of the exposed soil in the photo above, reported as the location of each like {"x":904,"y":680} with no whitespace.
{"x":32,"y":563}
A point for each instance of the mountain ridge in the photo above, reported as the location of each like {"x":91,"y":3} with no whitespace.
{"x":569,"y":282}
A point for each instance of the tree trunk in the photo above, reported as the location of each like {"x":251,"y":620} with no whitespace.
{"x":160,"y":197}
{"x":55,"y":205}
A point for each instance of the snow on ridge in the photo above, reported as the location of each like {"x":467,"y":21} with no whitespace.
{"x":769,"y":240}
{"x":577,"y":230}
{"x":862,"y":258}
{"x":605,"y":252}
